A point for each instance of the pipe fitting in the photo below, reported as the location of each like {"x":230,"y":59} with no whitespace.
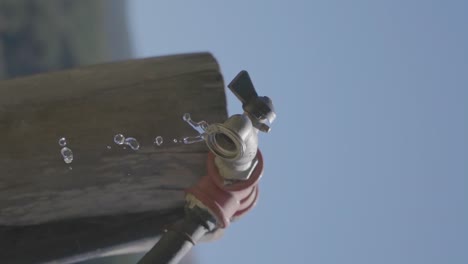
{"x":225,"y":202}
{"x":235,"y":144}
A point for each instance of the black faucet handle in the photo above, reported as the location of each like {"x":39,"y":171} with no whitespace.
{"x":259,"y":108}
{"x":243,"y":87}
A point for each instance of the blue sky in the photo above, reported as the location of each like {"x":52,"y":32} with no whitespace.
{"x":368,"y":159}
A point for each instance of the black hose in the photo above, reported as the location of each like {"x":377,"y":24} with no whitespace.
{"x":180,"y":238}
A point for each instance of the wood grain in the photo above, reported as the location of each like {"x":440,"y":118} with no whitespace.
{"x":141,"y":98}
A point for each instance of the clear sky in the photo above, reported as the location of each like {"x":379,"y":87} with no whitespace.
{"x":368,"y":159}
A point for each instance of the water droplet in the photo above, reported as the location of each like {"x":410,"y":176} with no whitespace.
{"x":175,"y":140}
{"x":67,"y":155}
{"x":132,"y":143}
{"x":109,"y":147}
{"x":119,"y":139}
{"x":70,"y":168}
{"x":186,"y":117}
{"x":158,"y":140}
{"x":62,"y":142}
{"x":191,"y":140}
{"x":200,"y":127}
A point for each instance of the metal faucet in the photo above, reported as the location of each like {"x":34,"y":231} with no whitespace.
{"x":235,"y":141}
{"x":230,"y":188}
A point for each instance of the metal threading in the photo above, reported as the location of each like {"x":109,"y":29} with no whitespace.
{"x":224,"y":142}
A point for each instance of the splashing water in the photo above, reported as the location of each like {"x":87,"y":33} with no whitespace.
{"x":67,"y":155}
{"x":132,"y":143}
{"x":200,"y":127}
{"x":119,"y":139}
{"x":109,"y":147}
{"x":191,"y":140}
{"x":158,"y":140}
{"x":62,"y":142}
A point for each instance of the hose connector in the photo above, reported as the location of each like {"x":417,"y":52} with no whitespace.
{"x":225,"y":202}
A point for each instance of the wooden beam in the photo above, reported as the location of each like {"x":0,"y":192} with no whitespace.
{"x":140,"y":98}
{"x":75,"y":240}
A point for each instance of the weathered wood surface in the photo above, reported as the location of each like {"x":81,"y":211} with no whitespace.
{"x":72,"y":241}
{"x":139,"y":98}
